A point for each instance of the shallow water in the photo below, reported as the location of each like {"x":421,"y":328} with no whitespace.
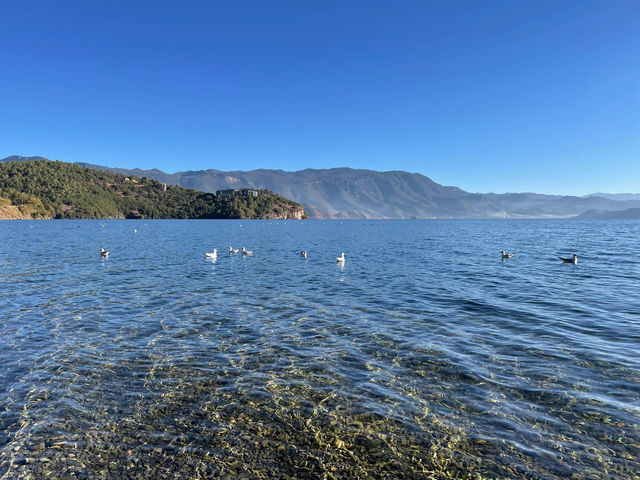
{"x":425,"y":356}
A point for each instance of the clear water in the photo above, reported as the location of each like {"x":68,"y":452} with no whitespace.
{"x":425,"y":356}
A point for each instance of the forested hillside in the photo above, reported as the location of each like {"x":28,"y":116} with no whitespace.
{"x":46,"y":189}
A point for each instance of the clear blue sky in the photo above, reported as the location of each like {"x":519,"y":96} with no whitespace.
{"x":487,"y":95}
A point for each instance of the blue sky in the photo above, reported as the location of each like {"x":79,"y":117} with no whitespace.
{"x":490,"y":96}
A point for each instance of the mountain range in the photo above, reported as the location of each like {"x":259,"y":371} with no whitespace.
{"x":616,"y":196}
{"x":629,"y":213}
{"x":349,"y":193}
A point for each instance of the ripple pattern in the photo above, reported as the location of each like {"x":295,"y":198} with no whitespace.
{"x":424,"y":356}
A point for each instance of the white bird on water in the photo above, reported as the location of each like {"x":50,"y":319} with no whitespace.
{"x":507,"y":255}
{"x":246,"y":252}
{"x":573,"y":259}
{"x":212,"y":255}
{"x":340,"y":259}
{"x":104,"y":253}
{"x":303,"y":254}
{"x":232,"y":251}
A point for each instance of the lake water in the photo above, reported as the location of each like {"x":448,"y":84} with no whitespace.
{"x":424,"y":356}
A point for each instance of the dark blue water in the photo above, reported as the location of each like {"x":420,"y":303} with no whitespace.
{"x":424,"y":356}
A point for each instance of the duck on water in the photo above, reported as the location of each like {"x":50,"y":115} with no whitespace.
{"x":573,"y":259}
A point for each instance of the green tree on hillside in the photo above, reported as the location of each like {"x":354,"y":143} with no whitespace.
{"x":64,"y":190}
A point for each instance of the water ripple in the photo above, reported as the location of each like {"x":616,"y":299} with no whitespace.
{"x":424,"y":356}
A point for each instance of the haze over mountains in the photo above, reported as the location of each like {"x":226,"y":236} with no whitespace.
{"x":629,"y":213}
{"x":348,"y":193}
{"x":616,"y":196}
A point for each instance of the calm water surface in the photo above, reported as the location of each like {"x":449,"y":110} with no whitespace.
{"x":425,"y":356}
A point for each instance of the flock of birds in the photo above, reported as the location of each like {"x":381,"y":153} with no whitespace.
{"x":214,"y":254}
{"x":232,"y":251}
{"x":573,"y":259}
{"x":341,"y":259}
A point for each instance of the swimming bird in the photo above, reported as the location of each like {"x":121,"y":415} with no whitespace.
{"x":246,"y":252}
{"x":340,"y":259}
{"x":573,"y":259}
{"x":232,"y":251}
{"x":507,"y":255}
{"x":213,"y":255}
{"x":303,"y":254}
{"x":104,"y":253}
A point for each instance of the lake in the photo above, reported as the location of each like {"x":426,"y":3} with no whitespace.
{"x":424,"y":356}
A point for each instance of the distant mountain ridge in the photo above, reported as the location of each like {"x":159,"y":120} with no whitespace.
{"x":628,"y":214}
{"x":20,"y":158}
{"x":350,"y":193}
{"x":616,"y":196}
